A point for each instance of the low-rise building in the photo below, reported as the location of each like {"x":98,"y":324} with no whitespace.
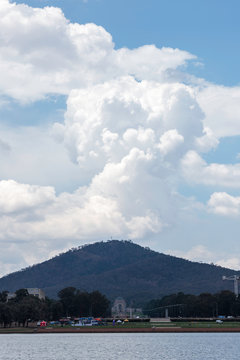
{"x":39,"y":293}
{"x":120,"y":309}
{"x":11,"y":296}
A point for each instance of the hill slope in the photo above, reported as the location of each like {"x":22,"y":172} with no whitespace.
{"x":120,"y":268}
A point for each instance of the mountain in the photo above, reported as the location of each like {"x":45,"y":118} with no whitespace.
{"x":120,"y":268}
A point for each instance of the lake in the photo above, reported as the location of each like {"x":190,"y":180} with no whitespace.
{"x":120,"y":346}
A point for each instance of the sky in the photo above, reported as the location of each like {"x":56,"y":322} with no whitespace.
{"x":119,"y":120}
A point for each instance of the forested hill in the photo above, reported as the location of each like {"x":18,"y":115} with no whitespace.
{"x":120,"y":268}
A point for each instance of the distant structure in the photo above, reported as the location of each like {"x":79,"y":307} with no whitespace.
{"x":11,"y":296}
{"x":39,"y":293}
{"x":120,"y":309}
{"x":235,"y":279}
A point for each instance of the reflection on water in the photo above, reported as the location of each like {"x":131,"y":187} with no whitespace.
{"x":120,"y":346}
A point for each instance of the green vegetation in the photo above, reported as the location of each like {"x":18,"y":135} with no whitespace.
{"x":194,"y":325}
{"x":204,"y":305}
{"x":22,"y":309}
{"x":209,"y":324}
{"x":25,"y":308}
{"x":120,"y":268}
{"x":80,"y":304}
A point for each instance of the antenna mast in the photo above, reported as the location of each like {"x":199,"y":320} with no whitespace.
{"x":235,"y":279}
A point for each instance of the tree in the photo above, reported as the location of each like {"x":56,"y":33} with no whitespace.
{"x":82,"y":304}
{"x":226,"y":300}
{"x":5,"y":314}
{"x":55,"y":309}
{"x":99,"y":304}
{"x":67,"y":297}
{"x":205,"y":305}
{"x":28,"y":309}
{"x":21,"y":294}
{"x":3,"y":296}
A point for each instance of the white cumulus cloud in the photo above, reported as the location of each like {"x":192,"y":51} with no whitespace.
{"x":104,"y":122}
{"x":224,"y":204}
{"x":16,"y":197}
{"x":221,"y":107}
{"x":201,"y":253}
{"x":230,"y":263}
{"x":196,"y":170}
{"x":197,"y":253}
{"x":43,"y":53}
{"x":134,"y":130}
{"x":169,"y":141}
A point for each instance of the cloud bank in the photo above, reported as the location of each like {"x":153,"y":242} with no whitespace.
{"x":43,"y":53}
{"x":137,"y":126}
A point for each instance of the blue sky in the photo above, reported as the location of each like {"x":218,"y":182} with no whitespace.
{"x":119,"y":119}
{"x":208,"y":29}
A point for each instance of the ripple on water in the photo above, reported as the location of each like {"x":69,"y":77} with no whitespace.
{"x":120,"y":346}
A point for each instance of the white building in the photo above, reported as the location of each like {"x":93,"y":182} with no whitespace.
{"x":36,"y":292}
{"x":39,"y":293}
{"x":120,"y":309}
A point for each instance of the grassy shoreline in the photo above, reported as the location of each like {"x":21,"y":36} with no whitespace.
{"x":179,"y":327}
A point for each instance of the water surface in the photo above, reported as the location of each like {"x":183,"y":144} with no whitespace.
{"x":120,"y":346}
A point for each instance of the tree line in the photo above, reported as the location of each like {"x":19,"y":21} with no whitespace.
{"x":224,"y":303}
{"x":71,"y":302}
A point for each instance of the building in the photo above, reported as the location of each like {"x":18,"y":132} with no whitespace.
{"x":10,"y":296}
{"x":120,"y":310}
{"x":31,"y":291}
{"x":36,"y":292}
